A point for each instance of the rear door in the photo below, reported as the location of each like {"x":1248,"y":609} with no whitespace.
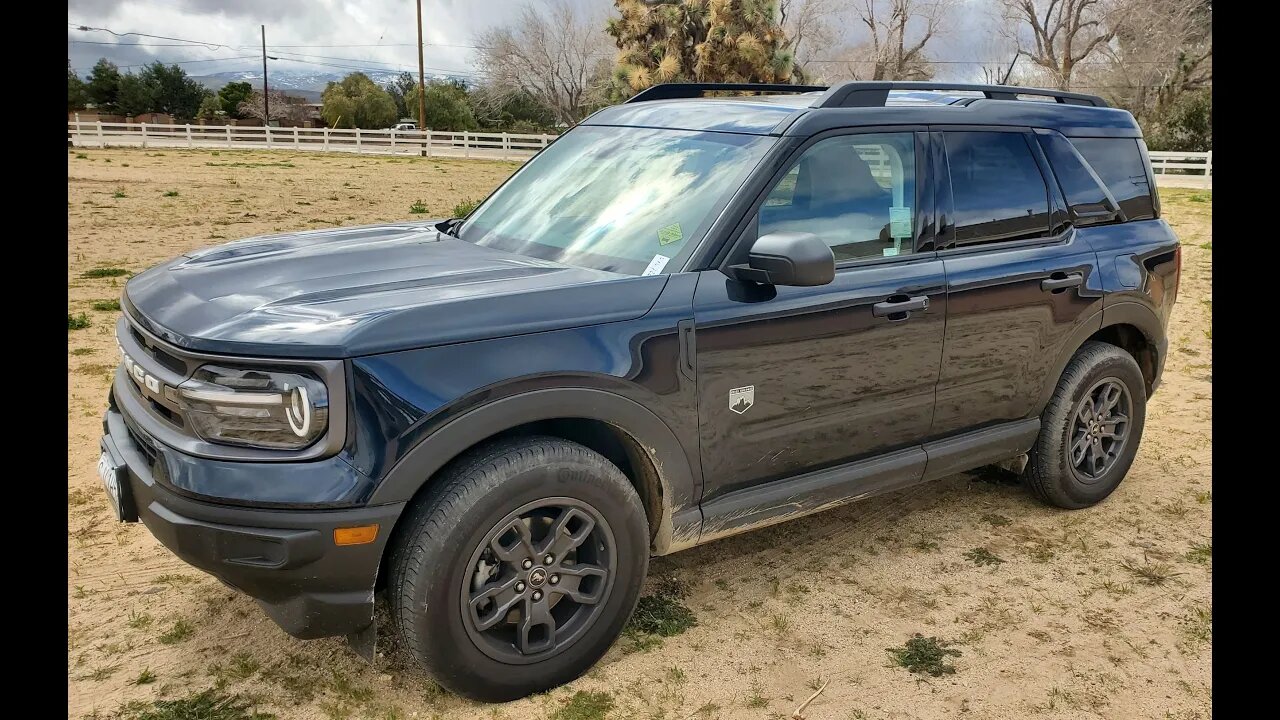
{"x":792,"y":379}
{"x":1020,"y":279}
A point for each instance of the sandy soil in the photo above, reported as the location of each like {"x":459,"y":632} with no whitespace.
{"x":1103,"y":612}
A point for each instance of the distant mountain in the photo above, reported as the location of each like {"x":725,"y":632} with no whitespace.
{"x":302,"y":83}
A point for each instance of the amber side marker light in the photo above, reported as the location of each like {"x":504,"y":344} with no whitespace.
{"x":355,"y":535}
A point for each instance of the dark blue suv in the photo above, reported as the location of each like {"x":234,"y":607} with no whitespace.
{"x":686,"y":318}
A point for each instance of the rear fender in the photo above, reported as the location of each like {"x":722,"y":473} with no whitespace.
{"x":1123,"y":313}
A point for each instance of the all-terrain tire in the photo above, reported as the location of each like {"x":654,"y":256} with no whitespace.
{"x":1050,"y":473}
{"x":430,"y":565}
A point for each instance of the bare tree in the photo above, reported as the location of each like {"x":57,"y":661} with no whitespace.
{"x":1000,"y":59}
{"x":813,"y":28}
{"x":1064,"y":33}
{"x":552,"y":52}
{"x":899,"y":30}
{"x":1163,"y":53}
{"x":283,"y":107}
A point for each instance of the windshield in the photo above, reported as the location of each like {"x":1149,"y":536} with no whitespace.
{"x":620,"y":199}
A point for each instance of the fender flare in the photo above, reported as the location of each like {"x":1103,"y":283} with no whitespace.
{"x":1123,"y":313}
{"x":663,"y":448}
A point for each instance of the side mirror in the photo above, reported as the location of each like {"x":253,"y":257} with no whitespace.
{"x":788,"y":258}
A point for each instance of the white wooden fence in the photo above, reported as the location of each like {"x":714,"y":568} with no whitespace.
{"x":1172,"y":169}
{"x":1189,"y":169}
{"x":492,"y":146}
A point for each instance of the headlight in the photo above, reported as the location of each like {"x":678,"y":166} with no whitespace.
{"x":255,"y":408}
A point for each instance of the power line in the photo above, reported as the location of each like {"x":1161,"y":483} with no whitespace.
{"x":120,"y":44}
{"x":246,"y":47}
{"x":344,"y":59}
{"x":428,"y":44}
{"x":395,"y":66}
{"x":86,"y":28}
{"x":179,"y":62}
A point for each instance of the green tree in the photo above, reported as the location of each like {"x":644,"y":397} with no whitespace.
{"x":135,"y":95}
{"x":210,"y":108}
{"x":697,"y":40}
{"x":77,"y":91}
{"x":104,"y":85}
{"x":399,"y":89}
{"x":1186,"y":127}
{"x":357,"y":102}
{"x":513,"y":110}
{"x":173,"y":92}
{"x":231,"y":95}
{"x":447,"y":106}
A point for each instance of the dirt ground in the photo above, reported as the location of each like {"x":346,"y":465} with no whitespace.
{"x":1104,"y":612}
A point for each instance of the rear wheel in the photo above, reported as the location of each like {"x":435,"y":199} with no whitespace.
{"x":1090,"y":430}
{"x":517,"y":571}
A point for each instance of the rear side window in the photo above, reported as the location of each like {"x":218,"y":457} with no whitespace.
{"x":996,"y":185}
{"x":1082,"y":188}
{"x":1118,"y":161}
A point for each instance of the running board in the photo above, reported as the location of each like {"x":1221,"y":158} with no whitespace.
{"x":783,"y":500}
{"x":981,"y":447}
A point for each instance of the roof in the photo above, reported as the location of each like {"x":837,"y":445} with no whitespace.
{"x":813,"y":110}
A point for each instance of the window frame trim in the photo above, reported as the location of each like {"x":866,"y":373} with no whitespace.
{"x":1118,"y":216}
{"x":747,"y":228}
{"x":1053,"y":204}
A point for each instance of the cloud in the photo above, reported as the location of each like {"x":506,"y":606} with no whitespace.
{"x":383,"y":30}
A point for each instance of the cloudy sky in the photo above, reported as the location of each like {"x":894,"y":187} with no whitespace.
{"x":344,"y":35}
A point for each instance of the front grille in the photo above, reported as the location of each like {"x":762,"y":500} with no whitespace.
{"x":144,"y":446}
{"x":163,"y":369}
{"x":174,"y":364}
{"x":170,"y":361}
{"x":174,"y":418}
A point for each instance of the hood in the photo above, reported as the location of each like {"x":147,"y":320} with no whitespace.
{"x":364,"y":290}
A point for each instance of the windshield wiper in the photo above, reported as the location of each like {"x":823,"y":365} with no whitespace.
{"x":450,"y":226}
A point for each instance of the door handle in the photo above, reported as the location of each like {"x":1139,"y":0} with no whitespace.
{"x":900,"y":305}
{"x":1061,"y":281}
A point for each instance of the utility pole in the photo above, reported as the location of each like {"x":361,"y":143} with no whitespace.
{"x":266,"y":99}
{"x":1004,"y":80}
{"x":422,"y":83}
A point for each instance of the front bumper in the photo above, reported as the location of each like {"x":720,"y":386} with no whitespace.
{"x":285,"y":559}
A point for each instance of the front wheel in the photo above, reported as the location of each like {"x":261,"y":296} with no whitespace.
{"x":1090,"y":430}
{"x":518,"y":569}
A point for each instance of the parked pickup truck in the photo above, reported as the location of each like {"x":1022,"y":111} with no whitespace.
{"x":686,"y":318}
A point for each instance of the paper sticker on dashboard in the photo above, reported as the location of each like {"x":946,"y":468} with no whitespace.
{"x":656,"y":264}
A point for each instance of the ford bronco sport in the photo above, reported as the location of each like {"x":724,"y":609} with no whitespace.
{"x":687,"y":317}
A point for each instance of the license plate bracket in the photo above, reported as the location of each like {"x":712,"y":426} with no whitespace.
{"x":115,"y":480}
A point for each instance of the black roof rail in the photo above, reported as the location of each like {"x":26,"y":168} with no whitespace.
{"x":673,"y":91}
{"x":876,"y":93}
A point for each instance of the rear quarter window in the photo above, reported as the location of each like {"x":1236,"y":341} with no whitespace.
{"x":1118,"y":162}
{"x":1083,"y":189}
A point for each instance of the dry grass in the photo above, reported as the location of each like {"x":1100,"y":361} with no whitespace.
{"x":1105,"y":611}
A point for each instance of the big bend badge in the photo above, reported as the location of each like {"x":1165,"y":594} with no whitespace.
{"x":741,"y":399}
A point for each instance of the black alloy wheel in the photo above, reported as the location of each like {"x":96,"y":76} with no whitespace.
{"x":1101,"y":429}
{"x":539,"y":580}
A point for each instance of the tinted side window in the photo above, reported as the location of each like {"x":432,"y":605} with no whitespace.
{"x":1118,"y":161}
{"x":998,"y":191}
{"x":1085,"y":196}
{"x":856,"y":192}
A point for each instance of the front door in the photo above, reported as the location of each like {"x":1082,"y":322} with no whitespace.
{"x":793,"y":379}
